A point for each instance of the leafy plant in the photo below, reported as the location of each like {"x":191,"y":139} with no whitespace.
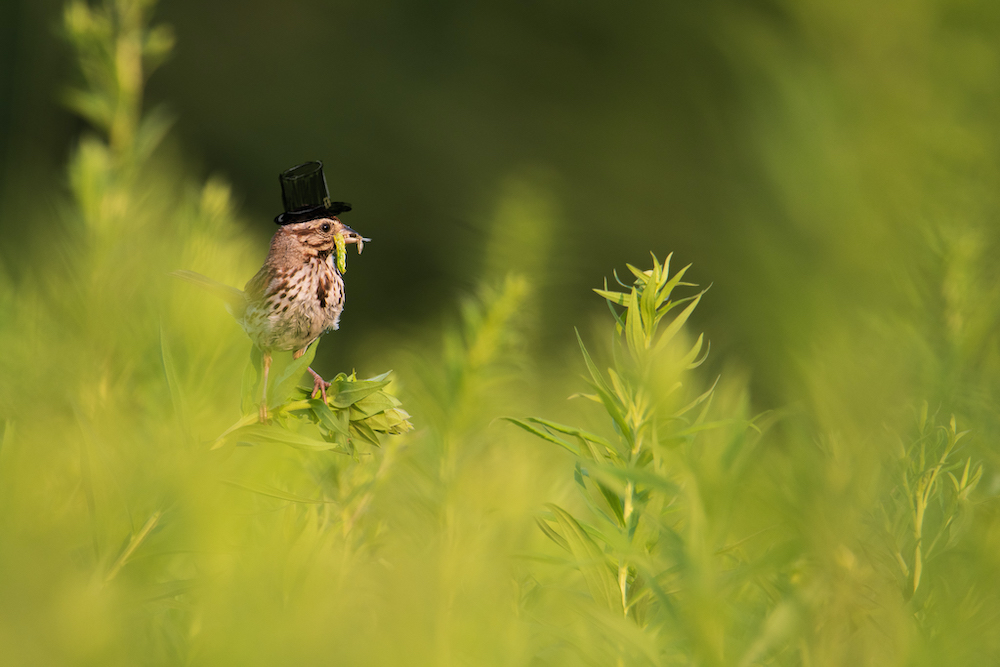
{"x":928,"y":508}
{"x":356,"y":411}
{"x":646,"y":554}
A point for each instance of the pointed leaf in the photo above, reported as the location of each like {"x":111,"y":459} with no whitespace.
{"x":664,"y":292}
{"x":335,"y":422}
{"x":363,"y":431}
{"x":693,"y":352}
{"x":614,"y":501}
{"x":641,"y":275}
{"x":281,"y":385}
{"x":591,"y":561}
{"x":666,"y":264}
{"x":698,"y":401}
{"x":633,"y":324}
{"x":544,"y":435}
{"x":614,"y":297}
{"x":261,"y":434}
{"x":375,"y":403}
{"x":552,"y":534}
{"x":677,"y":323}
{"x":591,"y":367}
{"x":350,"y":392}
{"x":639,"y":476}
{"x":605,"y":393}
{"x":571,"y":430}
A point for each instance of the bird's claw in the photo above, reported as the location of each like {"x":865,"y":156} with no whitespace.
{"x":319,"y":385}
{"x":262,"y":413}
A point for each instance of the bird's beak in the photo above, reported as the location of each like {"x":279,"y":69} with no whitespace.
{"x":351,"y":236}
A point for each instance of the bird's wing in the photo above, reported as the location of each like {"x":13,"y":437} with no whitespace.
{"x":235,"y":300}
{"x":257,"y":286}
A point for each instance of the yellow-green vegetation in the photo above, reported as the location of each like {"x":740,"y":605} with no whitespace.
{"x":661,"y":517}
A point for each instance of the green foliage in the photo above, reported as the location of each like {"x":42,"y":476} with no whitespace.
{"x":117,"y":51}
{"x":670,"y":527}
{"x":925,"y":515}
{"x":666,"y":544}
{"x":356,"y":411}
{"x":649,"y":553}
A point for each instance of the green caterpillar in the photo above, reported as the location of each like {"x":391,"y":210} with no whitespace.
{"x":341,"y":253}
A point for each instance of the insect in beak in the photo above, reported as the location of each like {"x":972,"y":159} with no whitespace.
{"x":351,"y":236}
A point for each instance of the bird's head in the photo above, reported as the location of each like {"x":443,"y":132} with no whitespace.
{"x":320,"y":234}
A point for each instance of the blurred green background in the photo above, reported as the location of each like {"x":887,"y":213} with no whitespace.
{"x":830,"y":168}
{"x":783,"y":148}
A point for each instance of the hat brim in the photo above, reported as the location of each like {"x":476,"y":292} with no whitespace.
{"x":304,"y":215}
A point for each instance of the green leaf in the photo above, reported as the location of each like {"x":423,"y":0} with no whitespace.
{"x":552,"y":535}
{"x":633,"y":324}
{"x":399,"y":421}
{"x":335,"y":422}
{"x":377,"y":422}
{"x":591,"y":561}
{"x":647,"y":304}
{"x":698,"y":401}
{"x":666,"y":264}
{"x":280,"y":385}
{"x":591,"y":367}
{"x":639,"y":476}
{"x":135,"y":539}
{"x":349,"y":392}
{"x":363,"y":431}
{"x":606,"y":394}
{"x":544,"y":435}
{"x":640,"y":275}
{"x":688,"y":361}
{"x":663,"y":292}
{"x":614,"y":501}
{"x":677,"y":323}
{"x":261,"y":434}
{"x":619,"y":322}
{"x":375,"y":403}
{"x":617,"y":298}
{"x":572,"y":430}
{"x":706,"y":426}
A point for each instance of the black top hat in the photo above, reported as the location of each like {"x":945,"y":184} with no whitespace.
{"x":305,"y":195}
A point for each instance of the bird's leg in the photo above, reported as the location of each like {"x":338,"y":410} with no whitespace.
{"x":263,"y":400}
{"x":319,"y":385}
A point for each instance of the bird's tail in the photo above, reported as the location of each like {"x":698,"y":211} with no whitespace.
{"x":235,"y":300}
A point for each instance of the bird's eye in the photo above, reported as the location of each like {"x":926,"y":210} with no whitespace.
{"x":325,"y":227}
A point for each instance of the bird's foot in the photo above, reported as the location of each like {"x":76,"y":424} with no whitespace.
{"x":263,"y":412}
{"x":319,"y":385}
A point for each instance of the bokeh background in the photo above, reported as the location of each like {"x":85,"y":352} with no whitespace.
{"x":829,"y":168}
{"x":789,"y":150}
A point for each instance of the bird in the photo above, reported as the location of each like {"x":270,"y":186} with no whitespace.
{"x":297,"y":296}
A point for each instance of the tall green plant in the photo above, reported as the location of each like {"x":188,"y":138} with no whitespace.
{"x":653,"y":547}
{"x":929,"y":506}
